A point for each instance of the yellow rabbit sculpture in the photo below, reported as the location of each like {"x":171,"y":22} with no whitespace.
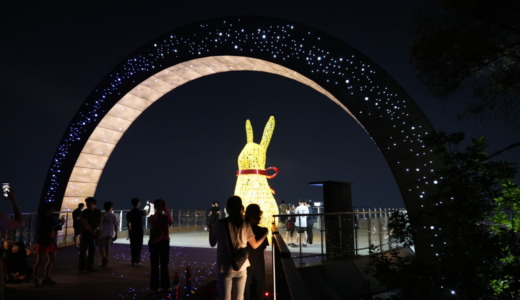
{"x":252,"y":175}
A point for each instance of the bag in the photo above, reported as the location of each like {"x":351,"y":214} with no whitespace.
{"x":289,"y":225}
{"x":238,"y":258}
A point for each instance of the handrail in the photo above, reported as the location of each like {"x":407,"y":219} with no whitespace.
{"x":366,"y":225}
{"x":184,"y":220}
{"x":287,"y":281}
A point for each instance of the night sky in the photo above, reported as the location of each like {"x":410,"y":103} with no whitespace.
{"x":184,"y":148}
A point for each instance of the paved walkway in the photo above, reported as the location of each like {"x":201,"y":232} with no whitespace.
{"x":119,"y":280}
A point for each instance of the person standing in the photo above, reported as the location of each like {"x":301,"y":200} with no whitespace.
{"x":230,"y":281}
{"x":214,"y":214}
{"x":91,"y":220}
{"x":301,"y":222}
{"x":310,"y":222}
{"x":283,"y":211}
{"x":108,"y":232}
{"x":8,"y":223}
{"x":48,"y":225}
{"x":76,"y":223}
{"x":255,"y":285}
{"x":159,"y":247}
{"x":150,"y":211}
{"x":289,"y":226}
{"x":134,"y":223}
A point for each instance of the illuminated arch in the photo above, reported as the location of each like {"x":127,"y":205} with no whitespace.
{"x":328,"y":65}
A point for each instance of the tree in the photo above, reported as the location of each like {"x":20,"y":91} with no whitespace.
{"x":472,"y":42}
{"x":474,"y":231}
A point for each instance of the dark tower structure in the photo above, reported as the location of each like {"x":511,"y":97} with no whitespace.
{"x":339,"y":228}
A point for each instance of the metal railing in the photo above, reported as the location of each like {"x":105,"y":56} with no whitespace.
{"x":361,"y":229}
{"x":183,"y":220}
{"x":350,"y":233}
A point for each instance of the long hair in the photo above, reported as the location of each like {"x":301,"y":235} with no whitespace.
{"x":234,"y":209}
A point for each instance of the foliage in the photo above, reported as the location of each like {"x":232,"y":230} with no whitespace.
{"x":473,"y":42}
{"x":400,"y":228}
{"x":474,"y":231}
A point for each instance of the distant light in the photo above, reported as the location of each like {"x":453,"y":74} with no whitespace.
{"x":317,"y":204}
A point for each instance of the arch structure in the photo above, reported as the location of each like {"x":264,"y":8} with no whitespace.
{"x":338,"y":71}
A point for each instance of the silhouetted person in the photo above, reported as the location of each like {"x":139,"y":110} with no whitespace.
{"x":255,"y":286}
{"x":134,"y":222}
{"x":159,"y":247}
{"x":214,"y":214}
{"x":48,"y":225}
{"x":7,"y":223}
{"x":289,"y":226}
{"x":76,"y":223}
{"x":310,"y":222}
{"x":91,"y":220}
{"x":18,"y":269}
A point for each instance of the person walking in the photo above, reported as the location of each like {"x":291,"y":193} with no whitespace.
{"x":134,"y":223}
{"x":230,"y":281}
{"x":159,"y":247}
{"x":91,"y":220}
{"x":108,"y":232}
{"x":255,"y":285}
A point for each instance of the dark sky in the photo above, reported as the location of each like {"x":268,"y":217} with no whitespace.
{"x":184,"y":148}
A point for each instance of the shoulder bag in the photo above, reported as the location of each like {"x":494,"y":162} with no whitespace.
{"x":238,"y":256}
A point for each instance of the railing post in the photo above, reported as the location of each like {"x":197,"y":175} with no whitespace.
{"x":121,"y":220}
{"x":340,"y":236}
{"x":380,"y":233}
{"x":66,"y":227}
{"x":369,"y":236}
{"x":322,"y":230}
{"x":356,"y":234}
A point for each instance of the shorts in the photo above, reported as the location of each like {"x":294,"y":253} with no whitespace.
{"x":49,"y":248}
{"x":300,"y":229}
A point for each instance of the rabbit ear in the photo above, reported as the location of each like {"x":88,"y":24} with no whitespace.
{"x":249,"y":131}
{"x":268,"y":132}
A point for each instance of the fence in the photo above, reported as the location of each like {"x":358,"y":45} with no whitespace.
{"x":183,"y":220}
{"x":366,"y":228}
{"x":340,"y":234}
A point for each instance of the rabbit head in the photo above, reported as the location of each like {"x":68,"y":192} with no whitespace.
{"x":253,"y":155}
